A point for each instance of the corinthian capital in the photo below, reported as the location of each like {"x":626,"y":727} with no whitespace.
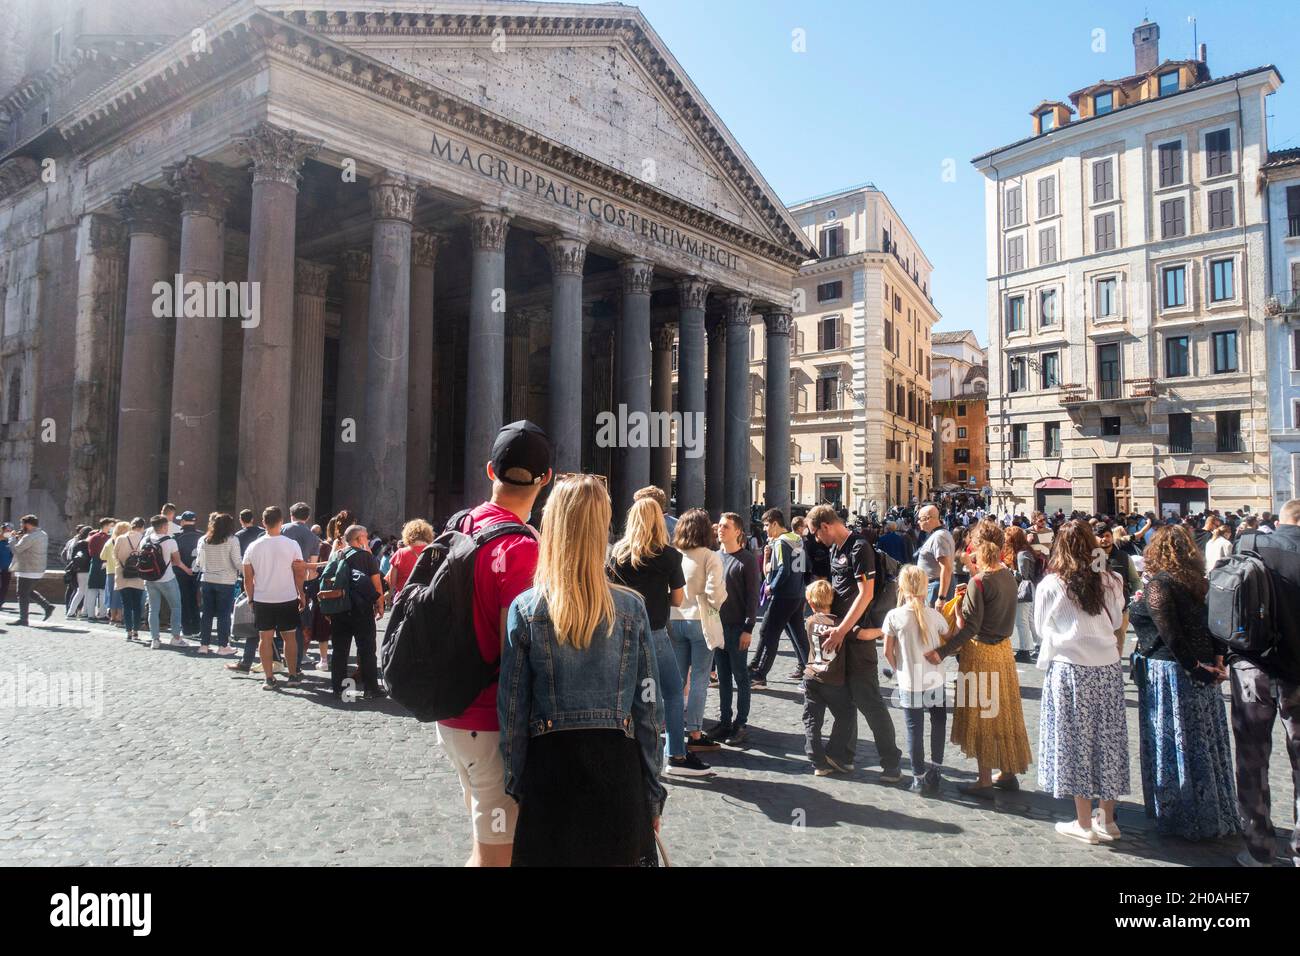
{"x":488,"y":229}
{"x":146,"y":210}
{"x":392,"y":196}
{"x":311,"y":278}
{"x":204,"y":188}
{"x":568,"y":255}
{"x":356,"y":265}
{"x":277,"y":154}
{"x":778,"y":321}
{"x":663,"y":336}
{"x":424,"y":249}
{"x":692,"y":292}
{"x":638,"y":276}
{"x":106,"y":235}
{"x":736,"y":308}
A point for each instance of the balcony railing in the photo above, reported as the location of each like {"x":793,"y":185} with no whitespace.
{"x":1073,"y":394}
{"x":1108,"y":390}
{"x":1229,"y":442}
{"x":1180,"y":445}
{"x":1293,"y":225}
{"x":1286,"y":304}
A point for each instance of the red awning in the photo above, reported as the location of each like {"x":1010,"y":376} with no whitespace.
{"x":1184,"y":481}
{"x":1053,"y":483}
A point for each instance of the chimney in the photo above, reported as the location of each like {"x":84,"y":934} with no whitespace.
{"x":1146,"y":47}
{"x":1202,"y":53}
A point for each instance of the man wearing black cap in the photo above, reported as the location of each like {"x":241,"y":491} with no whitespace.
{"x":520,"y":468}
{"x":187,"y":541}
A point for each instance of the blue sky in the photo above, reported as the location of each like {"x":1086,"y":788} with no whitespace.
{"x":885,"y":92}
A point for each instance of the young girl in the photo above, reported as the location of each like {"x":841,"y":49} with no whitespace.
{"x":911,"y":630}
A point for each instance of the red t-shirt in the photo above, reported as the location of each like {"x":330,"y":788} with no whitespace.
{"x":502,"y":571}
{"x":402,"y":562}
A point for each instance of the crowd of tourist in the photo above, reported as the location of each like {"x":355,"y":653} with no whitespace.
{"x":608,"y":645}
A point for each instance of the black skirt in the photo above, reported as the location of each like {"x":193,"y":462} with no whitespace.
{"x":584,"y":802}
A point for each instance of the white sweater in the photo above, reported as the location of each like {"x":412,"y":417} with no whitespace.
{"x":705,"y":581}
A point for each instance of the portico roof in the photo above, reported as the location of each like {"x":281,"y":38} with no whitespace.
{"x":351,"y":40}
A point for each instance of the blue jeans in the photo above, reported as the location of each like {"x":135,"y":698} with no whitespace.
{"x":171,"y":592}
{"x":670,"y":687}
{"x":785,"y":614}
{"x":218,"y":601}
{"x":692,"y":653}
{"x":132,"y":608}
{"x":730,"y":662}
{"x":110,"y":593}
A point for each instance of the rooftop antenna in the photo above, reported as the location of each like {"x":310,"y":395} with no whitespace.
{"x":1195,"y":39}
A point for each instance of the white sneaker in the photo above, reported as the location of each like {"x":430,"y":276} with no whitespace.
{"x":155,"y":644}
{"x":1244,"y":858}
{"x":1106,"y":833}
{"x":1071,"y":829}
{"x":204,"y":649}
{"x":277,"y":667}
{"x":226,"y":651}
{"x":180,"y":642}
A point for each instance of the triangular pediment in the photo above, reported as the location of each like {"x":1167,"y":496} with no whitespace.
{"x":592,"y":79}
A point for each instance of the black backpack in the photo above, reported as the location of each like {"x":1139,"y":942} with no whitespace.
{"x":1241,"y":603}
{"x":430,"y":657}
{"x":884,"y":595}
{"x":147,"y":562}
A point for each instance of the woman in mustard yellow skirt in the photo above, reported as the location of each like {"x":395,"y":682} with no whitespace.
{"x":988,"y":722}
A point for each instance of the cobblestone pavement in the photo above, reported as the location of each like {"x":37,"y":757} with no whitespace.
{"x":178,"y":762}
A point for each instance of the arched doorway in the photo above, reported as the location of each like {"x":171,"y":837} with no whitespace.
{"x":1051,"y":494}
{"x":1182,"y":495}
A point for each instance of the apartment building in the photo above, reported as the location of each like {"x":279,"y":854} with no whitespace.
{"x":959,"y":385}
{"x":1126,"y":242}
{"x":1282,"y":319}
{"x":860,"y":359}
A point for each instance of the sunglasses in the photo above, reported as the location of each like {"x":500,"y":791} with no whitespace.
{"x":573,"y":475}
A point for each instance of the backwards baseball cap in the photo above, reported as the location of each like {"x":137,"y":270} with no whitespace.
{"x":524,"y":446}
{"x":189,"y":516}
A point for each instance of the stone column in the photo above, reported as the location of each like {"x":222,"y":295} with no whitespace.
{"x":518,"y":325}
{"x":692,"y":295}
{"x":715,"y":426}
{"x":101,"y":258}
{"x":419,"y":413}
{"x":151,"y":220}
{"x":350,"y":403}
{"x":196,"y":378}
{"x":661,"y":403}
{"x":564,"y":426}
{"x":264,"y":417}
{"x":485,"y":368}
{"x":632,"y":455}
{"x":310,"y":282}
{"x":388,"y":357}
{"x":776,"y":411}
{"x":735,"y":483}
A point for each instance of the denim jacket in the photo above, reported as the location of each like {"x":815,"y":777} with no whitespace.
{"x":547,"y":686}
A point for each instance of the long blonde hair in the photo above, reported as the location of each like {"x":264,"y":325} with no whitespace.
{"x":912,"y":585}
{"x":570,"y":574}
{"x":646,"y":534}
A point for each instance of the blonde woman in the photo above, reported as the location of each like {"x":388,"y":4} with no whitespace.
{"x":706,"y":592}
{"x":416,"y":535}
{"x":643,"y":561}
{"x":580,"y":721}
{"x":988,"y":722}
{"x":108,"y":554}
{"x":913,"y":629}
{"x":131,"y":589}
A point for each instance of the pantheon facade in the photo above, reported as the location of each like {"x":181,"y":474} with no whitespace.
{"x":436,"y":218}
